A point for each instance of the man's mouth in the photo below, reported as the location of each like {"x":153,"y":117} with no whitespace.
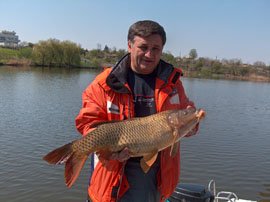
{"x":148,"y":61}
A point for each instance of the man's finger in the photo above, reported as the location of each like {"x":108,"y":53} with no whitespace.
{"x":114,"y":156}
{"x":123,"y":155}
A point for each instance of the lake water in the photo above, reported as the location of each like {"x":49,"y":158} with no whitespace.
{"x":38,"y":107}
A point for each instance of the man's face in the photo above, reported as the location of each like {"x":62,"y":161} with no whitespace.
{"x":145,"y":53}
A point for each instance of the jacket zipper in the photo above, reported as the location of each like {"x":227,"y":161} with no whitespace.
{"x":124,"y":163}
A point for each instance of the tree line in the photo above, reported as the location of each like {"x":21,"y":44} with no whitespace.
{"x":207,"y":67}
{"x":51,"y":52}
{"x":55,"y":53}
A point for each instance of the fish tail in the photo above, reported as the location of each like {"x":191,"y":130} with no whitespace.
{"x":59,"y":155}
{"x":73,"y":168}
{"x":74,"y":162}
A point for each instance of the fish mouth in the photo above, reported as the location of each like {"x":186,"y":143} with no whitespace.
{"x":183,"y":117}
{"x":200,"y":114}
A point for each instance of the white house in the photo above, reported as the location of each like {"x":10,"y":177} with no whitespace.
{"x":8,"y":38}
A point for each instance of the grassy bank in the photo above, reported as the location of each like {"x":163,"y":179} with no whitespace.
{"x":249,"y":77}
{"x":21,"y":57}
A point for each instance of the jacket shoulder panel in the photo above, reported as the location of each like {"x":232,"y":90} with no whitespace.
{"x":101,"y":78}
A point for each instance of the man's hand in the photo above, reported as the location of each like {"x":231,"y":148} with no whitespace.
{"x":192,"y":132}
{"x":121,"y":156}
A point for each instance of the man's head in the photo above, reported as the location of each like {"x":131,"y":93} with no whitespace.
{"x":145,"y":43}
{"x":146,"y":28}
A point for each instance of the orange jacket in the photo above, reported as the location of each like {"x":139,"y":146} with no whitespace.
{"x":108,"y":97}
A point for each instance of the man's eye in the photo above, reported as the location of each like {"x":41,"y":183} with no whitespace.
{"x":143,"y":47}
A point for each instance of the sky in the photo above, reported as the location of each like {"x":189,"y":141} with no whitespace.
{"x":217,"y":29}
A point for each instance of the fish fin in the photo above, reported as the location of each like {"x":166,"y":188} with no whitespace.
{"x":73,"y":168}
{"x":148,"y":160}
{"x":175,"y":134}
{"x":104,"y":156}
{"x":174,"y":149}
{"x":59,"y":155}
{"x":74,"y":162}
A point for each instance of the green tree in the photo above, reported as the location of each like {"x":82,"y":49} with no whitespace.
{"x":199,"y":64}
{"x":168,"y":57}
{"x":259,"y":64}
{"x":96,"y":53}
{"x":41,"y":52}
{"x":25,"y":52}
{"x":55,"y":53}
{"x":193,"y":54}
{"x":120,"y":53}
{"x":205,"y":72}
{"x":106,"y":49}
{"x":216,"y":67}
{"x":71,"y":53}
{"x":244,"y":71}
{"x":31,"y":45}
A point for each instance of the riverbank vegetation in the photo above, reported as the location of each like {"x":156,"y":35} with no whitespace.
{"x":219,"y":69}
{"x":67,"y":54}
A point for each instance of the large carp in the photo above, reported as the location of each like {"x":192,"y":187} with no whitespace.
{"x":142,"y":136}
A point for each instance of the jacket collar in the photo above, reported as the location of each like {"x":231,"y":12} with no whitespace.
{"x":117,"y":79}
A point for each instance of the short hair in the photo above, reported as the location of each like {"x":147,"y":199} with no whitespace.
{"x":146,"y":28}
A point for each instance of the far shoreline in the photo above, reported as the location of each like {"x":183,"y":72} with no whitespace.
{"x":19,"y":65}
{"x":252,"y":77}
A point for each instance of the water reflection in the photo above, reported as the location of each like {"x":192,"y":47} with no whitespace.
{"x":38,"y":107}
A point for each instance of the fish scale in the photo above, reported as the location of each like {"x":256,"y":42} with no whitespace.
{"x":142,"y":136}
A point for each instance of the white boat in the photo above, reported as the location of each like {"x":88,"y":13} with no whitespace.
{"x":197,"y":193}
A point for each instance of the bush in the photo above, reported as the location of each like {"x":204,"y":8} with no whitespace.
{"x":205,"y":72}
{"x":25,"y":52}
{"x":55,"y":53}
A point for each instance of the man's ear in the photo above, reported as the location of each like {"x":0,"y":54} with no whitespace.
{"x":129,"y":46}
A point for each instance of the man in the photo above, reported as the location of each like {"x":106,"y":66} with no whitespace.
{"x":140,"y":84}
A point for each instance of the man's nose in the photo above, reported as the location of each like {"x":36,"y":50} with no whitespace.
{"x":149,"y":53}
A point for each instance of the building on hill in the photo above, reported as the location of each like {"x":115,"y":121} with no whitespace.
{"x":9,"y":39}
